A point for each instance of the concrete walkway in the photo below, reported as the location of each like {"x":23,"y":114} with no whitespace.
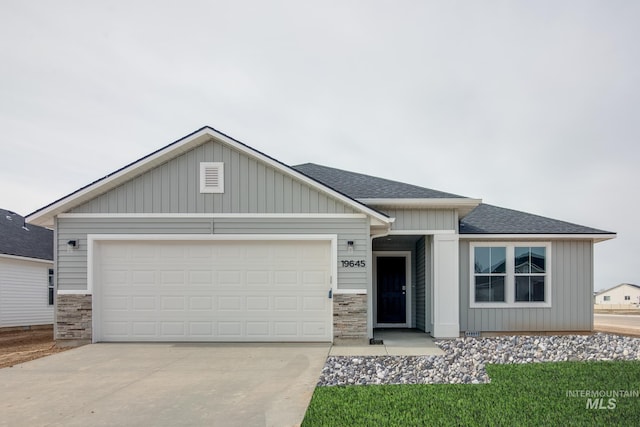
{"x":164,"y":385}
{"x":396,"y":342}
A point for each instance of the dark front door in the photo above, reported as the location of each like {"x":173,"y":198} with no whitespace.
{"x":391,"y":290}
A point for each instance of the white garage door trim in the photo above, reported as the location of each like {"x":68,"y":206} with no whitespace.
{"x":94,"y":239}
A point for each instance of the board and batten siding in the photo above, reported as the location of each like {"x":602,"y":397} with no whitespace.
{"x":571,"y":300}
{"x":422,"y":219}
{"x":251,"y":186}
{"x":72,"y":263}
{"x":24,"y":293}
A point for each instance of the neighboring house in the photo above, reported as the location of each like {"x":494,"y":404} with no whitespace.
{"x":208,"y":239}
{"x":26,"y":272}
{"x":624,"y":293}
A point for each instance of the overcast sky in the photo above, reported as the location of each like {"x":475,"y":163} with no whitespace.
{"x":530,"y":105}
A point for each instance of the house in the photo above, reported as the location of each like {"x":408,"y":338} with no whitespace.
{"x":208,"y":239}
{"x":26,"y":272}
{"x":624,"y":293}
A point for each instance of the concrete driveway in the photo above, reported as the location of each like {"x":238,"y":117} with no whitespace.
{"x":164,"y":385}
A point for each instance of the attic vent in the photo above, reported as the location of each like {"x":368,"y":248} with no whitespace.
{"x":212,"y":177}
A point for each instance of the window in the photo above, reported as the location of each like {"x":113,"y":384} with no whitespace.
{"x":530,"y":273}
{"x":490,"y":273}
{"x":606,"y":298}
{"x":50,"y":286}
{"x":212,"y":177}
{"x":627,"y":297}
{"x":510,"y":274}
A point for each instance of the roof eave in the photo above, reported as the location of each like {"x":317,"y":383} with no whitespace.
{"x":464,"y":205}
{"x":595,"y":237}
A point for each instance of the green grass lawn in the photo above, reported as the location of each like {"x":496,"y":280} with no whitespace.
{"x":529,"y":394}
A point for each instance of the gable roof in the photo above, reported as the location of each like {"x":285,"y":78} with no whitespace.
{"x":45,"y":215}
{"x":617,"y":286}
{"x":384,"y":193}
{"x":24,"y":240}
{"x":361,"y":186}
{"x":489,"y":219}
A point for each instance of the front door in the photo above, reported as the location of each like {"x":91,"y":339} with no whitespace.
{"x":391,"y":290}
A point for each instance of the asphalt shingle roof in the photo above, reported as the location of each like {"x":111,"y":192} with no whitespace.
{"x":37,"y":242}
{"x":361,"y":186}
{"x":489,"y":219}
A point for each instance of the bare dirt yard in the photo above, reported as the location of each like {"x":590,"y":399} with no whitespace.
{"x":18,"y":346}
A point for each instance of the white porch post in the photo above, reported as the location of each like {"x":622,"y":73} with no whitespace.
{"x":445,"y":302}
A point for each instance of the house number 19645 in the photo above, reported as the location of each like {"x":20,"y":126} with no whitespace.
{"x":352,"y":263}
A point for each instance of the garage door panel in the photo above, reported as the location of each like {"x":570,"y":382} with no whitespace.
{"x":201,"y":303}
{"x":172,"y":278}
{"x":116,"y":303}
{"x":258,"y":303}
{"x":200,"y":277}
{"x":230,"y":278}
{"x":143,"y":303}
{"x":258,"y":278}
{"x":214,"y":291}
{"x":144,"y":329}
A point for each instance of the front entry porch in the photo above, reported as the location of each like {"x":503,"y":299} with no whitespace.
{"x":395,"y":342}
{"x":415,"y":283}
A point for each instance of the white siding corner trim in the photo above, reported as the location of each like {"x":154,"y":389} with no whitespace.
{"x":445,"y":287}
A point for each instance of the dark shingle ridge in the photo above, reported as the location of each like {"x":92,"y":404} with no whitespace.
{"x":37,"y":242}
{"x":489,"y":219}
{"x":361,"y":186}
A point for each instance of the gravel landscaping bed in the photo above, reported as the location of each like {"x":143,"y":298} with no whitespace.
{"x":465,"y":359}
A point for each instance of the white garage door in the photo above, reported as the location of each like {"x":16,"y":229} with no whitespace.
{"x":213,"y":291}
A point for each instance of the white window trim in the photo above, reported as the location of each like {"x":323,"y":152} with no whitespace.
{"x":510,"y":290}
{"x":51,"y":287}
{"x":203,"y":168}
{"x":408,"y":285}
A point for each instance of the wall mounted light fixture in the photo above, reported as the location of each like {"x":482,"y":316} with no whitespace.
{"x":350,"y":246}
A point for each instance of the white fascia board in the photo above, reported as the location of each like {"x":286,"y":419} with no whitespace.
{"x":418,"y":232}
{"x":595,"y":237}
{"x":462,"y":204}
{"x":204,"y":237}
{"x":451,"y":202}
{"x":24,"y":258}
{"x":45,"y":216}
{"x":211,"y":216}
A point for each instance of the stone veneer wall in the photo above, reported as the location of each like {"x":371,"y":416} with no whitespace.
{"x":350,"y":317}
{"x":73,"y":320}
